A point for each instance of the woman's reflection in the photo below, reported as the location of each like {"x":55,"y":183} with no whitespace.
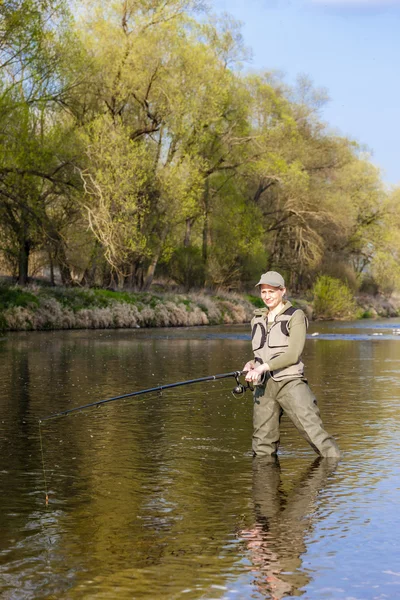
{"x":283,"y":521}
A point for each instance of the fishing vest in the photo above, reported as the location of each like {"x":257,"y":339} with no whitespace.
{"x":269,"y":340}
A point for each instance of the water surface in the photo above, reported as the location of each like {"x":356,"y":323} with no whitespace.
{"x":158,"y":496}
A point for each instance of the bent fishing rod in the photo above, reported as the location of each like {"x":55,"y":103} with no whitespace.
{"x":238,"y":389}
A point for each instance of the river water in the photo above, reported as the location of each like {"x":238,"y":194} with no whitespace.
{"x":158,"y":496}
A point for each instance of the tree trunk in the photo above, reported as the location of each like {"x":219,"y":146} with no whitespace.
{"x":90,"y":273}
{"x":188,"y":231}
{"x":23,"y":261}
{"x":51,"y":263}
{"x":153,"y":264}
{"x":107,"y":279}
{"x":148,"y":279}
{"x":65,"y":273}
{"x":206,"y":223}
{"x":61,"y":260}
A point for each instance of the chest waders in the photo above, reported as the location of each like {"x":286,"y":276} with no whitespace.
{"x":284,"y":389}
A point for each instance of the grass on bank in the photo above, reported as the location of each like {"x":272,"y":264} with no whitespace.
{"x":37,"y":307}
{"x":45,"y":308}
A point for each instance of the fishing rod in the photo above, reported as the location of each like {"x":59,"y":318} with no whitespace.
{"x":238,"y":389}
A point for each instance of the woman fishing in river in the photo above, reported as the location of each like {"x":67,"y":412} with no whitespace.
{"x":278,"y":338}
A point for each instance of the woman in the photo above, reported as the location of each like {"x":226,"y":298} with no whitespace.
{"x":278,"y":338}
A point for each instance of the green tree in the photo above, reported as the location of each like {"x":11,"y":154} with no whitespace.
{"x":332,"y":299}
{"x":166,"y":97}
{"x":35,"y":139}
{"x":384,"y":263}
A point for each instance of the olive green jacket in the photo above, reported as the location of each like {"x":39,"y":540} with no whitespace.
{"x":280,"y":343}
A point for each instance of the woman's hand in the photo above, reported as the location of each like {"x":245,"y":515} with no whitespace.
{"x":249,"y":366}
{"x":256,"y":372}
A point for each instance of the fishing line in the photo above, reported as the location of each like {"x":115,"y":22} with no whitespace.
{"x":189,"y":395}
{"x":237,"y":391}
{"x":43,"y":467}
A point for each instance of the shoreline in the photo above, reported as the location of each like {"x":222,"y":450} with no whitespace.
{"x":35,"y":308}
{"x":42,"y":308}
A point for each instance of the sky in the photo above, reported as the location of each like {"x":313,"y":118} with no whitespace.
{"x":349,"y":47}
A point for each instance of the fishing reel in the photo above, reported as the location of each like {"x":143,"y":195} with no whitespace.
{"x":240,"y":389}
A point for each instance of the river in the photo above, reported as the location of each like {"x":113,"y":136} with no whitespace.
{"x":158,"y":496}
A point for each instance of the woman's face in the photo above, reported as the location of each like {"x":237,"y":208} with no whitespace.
{"x":272,"y":296}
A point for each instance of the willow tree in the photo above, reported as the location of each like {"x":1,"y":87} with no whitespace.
{"x":130,"y":205}
{"x":35,"y":151}
{"x":162,"y":93}
{"x":296,"y":183}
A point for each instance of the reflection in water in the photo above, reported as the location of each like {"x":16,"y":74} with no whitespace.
{"x":147,"y":496}
{"x":283,"y":521}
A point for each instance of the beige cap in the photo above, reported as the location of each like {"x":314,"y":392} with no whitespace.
{"x":272,"y":278}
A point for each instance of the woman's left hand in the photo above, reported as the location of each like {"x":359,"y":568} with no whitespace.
{"x":255,"y":374}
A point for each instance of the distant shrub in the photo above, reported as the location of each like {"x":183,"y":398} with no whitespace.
{"x":339,"y":269}
{"x":367,"y":314}
{"x":15,"y":296}
{"x":255,"y":301}
{"x":186,"y":267}
{"x":333,"y":299}
{"x":369,"y":286}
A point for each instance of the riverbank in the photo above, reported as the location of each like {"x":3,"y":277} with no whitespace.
{"x":36,"y":308}
{"x":379,"y":305}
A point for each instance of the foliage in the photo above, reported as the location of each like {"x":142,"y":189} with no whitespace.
{"x":15,"y":296}
{"x":255,"y":300}
{"x":132,"y":143}
{"x":332,"y":299}
{"x":36,"y":172}
{"x":186,"y":267}
{"x":385,"y":258}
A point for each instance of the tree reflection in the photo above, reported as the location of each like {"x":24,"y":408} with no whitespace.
{"x":283,"y":521}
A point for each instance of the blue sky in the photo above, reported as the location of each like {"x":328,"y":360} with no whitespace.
{"x":349,"y":47}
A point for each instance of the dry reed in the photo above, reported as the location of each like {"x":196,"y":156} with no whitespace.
{"x":150,"y":311}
